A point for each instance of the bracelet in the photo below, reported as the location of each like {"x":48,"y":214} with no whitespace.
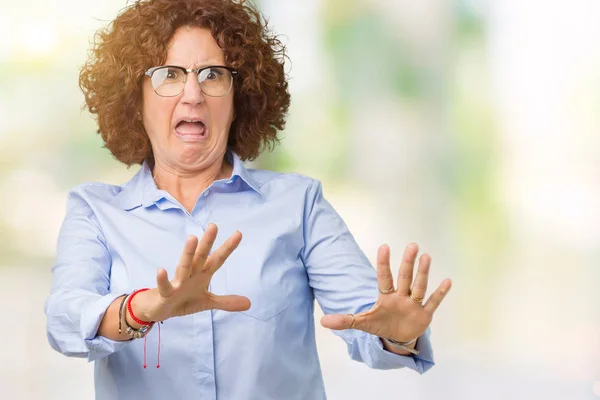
{"x":404,"y":345}
{"x":130,"y":309}
{"x":121,"y":311}
{"x":130,"y":330}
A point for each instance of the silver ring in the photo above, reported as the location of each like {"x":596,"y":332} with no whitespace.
{"x":386,"y":291}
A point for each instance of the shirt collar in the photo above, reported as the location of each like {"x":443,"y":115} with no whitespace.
{"x":141,"y":190}
{"x":239,"y":169}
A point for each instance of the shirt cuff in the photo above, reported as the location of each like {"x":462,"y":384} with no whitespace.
{"x":99,"y":346}
{"x":388,"y":360}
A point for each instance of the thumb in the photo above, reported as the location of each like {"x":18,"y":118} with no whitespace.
{"x":339,"y":322}
{"x":230,"y":303}
{"x":162,"y":282}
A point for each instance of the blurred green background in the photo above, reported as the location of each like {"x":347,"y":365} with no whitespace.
{"x":468,"y":126}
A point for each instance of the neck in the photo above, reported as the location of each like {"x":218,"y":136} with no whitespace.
{"x":187,"y":186}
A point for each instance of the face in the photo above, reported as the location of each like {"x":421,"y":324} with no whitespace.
{"x":188,"y":146}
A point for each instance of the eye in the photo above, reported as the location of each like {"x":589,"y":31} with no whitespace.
{"x":172,"y":74}
{"x":213,"y":74}
{"x":210,"y":74}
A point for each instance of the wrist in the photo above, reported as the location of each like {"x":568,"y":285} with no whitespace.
{"x":141,"y":307}
{"x":400,"y":348}
{"x":135,"y":327}
{"x":130,"y":322}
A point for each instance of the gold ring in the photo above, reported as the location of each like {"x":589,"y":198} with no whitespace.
{"x":353,"y":321}
{"x":386,"y":291}
{"x":417,"y":300}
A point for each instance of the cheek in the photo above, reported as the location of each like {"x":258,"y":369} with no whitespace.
{"x":222,"y":112}
{"x":156,"y":112}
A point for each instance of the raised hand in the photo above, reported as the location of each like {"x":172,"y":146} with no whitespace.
{"x":399,"y":313}
{"x":188,"y":292}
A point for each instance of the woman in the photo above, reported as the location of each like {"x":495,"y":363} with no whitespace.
{"x":189,"y":89}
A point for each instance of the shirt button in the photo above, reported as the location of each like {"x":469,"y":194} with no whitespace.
{"x":206,"y":193}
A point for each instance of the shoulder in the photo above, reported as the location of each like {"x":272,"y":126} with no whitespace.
{"x":277,"y":182}
{"x":85,"y":197}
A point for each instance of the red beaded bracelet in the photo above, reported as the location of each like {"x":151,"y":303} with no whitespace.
{"x":131,"y":314}
{"x":143,"y":323}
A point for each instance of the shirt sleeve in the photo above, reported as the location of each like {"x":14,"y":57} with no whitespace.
{"x":80,"y":292}
{"x":344,"y":281}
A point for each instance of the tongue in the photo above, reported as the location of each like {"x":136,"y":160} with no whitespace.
{"x":190,"y":128}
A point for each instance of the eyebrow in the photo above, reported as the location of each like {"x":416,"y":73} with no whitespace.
{"x":203,"y":65}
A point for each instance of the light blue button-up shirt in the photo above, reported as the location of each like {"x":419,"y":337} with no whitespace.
{"x":295,"y":249}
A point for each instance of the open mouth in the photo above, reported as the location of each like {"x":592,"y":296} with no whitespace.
{"x":191,"y":128}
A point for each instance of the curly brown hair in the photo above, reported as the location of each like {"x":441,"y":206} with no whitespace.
{"x":137,"y":39}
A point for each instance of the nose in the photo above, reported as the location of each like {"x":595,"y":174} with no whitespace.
{"x":192,"y":93}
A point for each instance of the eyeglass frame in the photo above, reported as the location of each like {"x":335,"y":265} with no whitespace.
{"x":187,"y":71}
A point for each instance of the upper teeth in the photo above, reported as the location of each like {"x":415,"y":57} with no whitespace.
{"x":191,"y":120}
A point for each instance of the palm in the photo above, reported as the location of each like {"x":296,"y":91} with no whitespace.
{"x":398,"y":313}
{"x":188,"y":292}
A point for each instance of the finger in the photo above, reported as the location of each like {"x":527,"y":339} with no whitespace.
{"x":184,"y":268}
{"x":162,"y":282}
{"x":230,"y":303}
{"x":419,"y":287}
{"x":385,"y":280}
{"x":405,"y":274}
{"x":204,"y":246}
{"x":218,"y":257}
{"x":436,"y":298}
{"x":339,"y":322}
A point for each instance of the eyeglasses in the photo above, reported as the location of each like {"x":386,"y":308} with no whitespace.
{"x":169,"y":80}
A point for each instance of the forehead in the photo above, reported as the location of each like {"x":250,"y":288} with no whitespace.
{"x":193,"y":47}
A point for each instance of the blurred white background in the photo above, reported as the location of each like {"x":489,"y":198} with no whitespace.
{"x":471,"y":127}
